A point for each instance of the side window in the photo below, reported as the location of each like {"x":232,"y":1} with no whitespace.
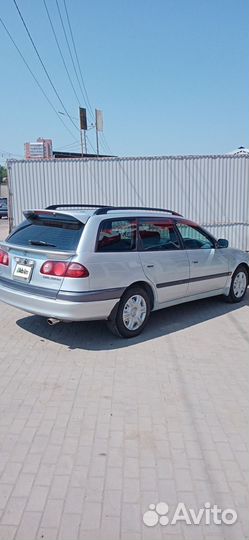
{"x":117,"y":235}
{"x":193,"y":238}
{"x":158,"y":235}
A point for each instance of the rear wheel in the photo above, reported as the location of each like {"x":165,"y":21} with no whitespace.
{"x":239,"y":285}
{"x":132,"y":314}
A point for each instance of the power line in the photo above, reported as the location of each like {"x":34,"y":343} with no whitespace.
{"x":79,"y":67}
{"x":43,"y":65}
{"x":34,"y":77}
{"x":90,"y":144}
{"x":75,"y":143}
{"x":70,"y":51}
{"x":85,"y":93}
{"x":5,"y":152}
{"x":105,"y":144}
{"x":61,"y":53}
{"x":49,"y":78}
{"x":77,"y":60}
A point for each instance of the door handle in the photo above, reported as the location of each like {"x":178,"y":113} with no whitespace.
{"x":195,"y":262}
{"x":150,"y":265}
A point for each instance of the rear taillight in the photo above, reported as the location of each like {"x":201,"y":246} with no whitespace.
{"x":4,"y":258}
{"x":76,"y":270}
{"x":63,"y":269}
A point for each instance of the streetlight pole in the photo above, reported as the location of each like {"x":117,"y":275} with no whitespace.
{"x":83,"y":127}
{"x":97,"y":140}
{"x":85,"y":141}
{"x":81,"y":143}
{"x":98,"y":126}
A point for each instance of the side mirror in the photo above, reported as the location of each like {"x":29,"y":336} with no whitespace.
{"x":222,"y":243}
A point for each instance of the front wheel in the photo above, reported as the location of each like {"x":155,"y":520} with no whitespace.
{"x":239,"y":285}
{"x":132,"y":314}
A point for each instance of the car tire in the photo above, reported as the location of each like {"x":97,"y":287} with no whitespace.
{"x":238,"y":285}
{"x":132,"y":314}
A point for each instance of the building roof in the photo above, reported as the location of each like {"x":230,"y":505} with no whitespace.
{"x":76,"y":155}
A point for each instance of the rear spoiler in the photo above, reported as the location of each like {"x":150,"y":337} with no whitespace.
{"x":72,"y":221}
{"x":29,"y":213}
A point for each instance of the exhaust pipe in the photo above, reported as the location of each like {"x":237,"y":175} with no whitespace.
{"x":51,"y":321}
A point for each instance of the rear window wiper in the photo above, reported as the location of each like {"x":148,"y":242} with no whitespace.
{"x":40,"y":243}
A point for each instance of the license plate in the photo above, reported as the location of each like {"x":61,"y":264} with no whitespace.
{"x":23,"y":271}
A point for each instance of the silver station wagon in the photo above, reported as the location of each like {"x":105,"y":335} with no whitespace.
{"x":81,"y":263}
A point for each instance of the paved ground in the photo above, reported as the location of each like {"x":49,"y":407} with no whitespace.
{"x":93,"y":428}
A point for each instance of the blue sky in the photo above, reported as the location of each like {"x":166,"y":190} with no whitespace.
{"x":172,"y":76}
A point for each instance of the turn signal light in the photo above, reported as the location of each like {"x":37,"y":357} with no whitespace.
{"x":4,"y":258}
{"x":63,"y":269}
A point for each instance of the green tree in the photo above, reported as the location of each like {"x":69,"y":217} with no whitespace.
{"x":3,"y":173}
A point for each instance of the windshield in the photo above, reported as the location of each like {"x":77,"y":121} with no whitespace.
{"x":60,"y":232}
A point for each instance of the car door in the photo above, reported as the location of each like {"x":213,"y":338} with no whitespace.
{"x":208,"y":265}
{"x":164,"y":261}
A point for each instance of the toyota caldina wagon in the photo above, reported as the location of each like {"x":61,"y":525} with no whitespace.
{"x":81,"y":263}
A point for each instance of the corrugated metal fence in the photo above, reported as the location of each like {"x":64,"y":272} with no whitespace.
{"x":212,"y":190}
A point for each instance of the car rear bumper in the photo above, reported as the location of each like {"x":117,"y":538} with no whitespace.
{"x":63,"y":309}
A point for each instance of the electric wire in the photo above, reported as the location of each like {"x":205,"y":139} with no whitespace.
{"x":105,"y":144}
{"x":51,"y":82}
{"x":61,"y":53}
{"x":70,"y":145}
{"x":62,"y":56}
{"x":103,"y":141}
{"x":90,"y":144}
{"x":34,"y":77}
{"x":5,"y":153}
{"x":70,"y":51}
{"x":77,"y":60}
{"x":43,"y":65}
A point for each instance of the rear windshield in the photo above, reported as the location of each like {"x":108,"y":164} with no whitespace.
{"x":56,"y":232}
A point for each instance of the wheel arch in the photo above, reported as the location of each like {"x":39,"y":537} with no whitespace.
{"x":144,"y":285}
{"x":242,"y":265}
{"x":147,"y":287}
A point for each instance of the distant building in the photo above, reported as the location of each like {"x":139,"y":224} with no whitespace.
{"x":41,"y":149}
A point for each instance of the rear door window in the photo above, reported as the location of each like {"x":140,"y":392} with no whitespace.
{"x":60,"y":232}
{"x":117,"y":235}
{"x":158,"y":235}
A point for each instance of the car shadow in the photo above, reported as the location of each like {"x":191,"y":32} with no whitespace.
{"x":95,"y":336}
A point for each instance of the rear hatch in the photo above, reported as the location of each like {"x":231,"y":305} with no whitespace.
{"x":43,"y":236}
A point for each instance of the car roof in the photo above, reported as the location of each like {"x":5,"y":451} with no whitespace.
{"x":84,"y":215}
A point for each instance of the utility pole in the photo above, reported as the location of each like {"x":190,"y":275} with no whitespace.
{"x":81,"y":143}
{"x":98,"y":126}
{"x":83,"y":127}
{"x":85,"y":141}
{"x":97,"y":141}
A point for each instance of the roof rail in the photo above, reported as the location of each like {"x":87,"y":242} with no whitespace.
{"x":55,"y":206}
{"x":104,"y":209}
